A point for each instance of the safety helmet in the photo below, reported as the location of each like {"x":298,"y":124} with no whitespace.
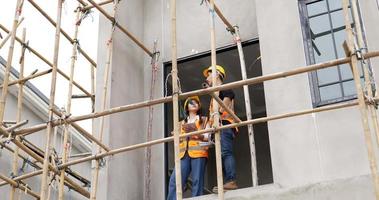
{"x":196,"y":98}
{"x":219,"y":68}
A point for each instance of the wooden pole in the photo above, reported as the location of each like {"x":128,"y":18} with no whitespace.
{"x":4,"y":91}
{"x":246,"y":93}
{"x":20,"y":97}
{"x":226,"y":108}
{"x":232,"y":85}
{"x":4,"y":41}
{"x":64,"y":33}
{"x":24,"y":79}
{"x":122,"y":29}
{"x":349,"y":48}
{"x":175,"y":103}
{"x":100,"y":4}
{"x":215,"y":105}
{"x":366,"y":73}
{"x":171,"y":138}
{"x":223,"y":18}
{"x":17,"y":185}
{"x":46,"y":61}
{"x":50,"y":128}
{"x":68,"y":107}
{"x":96,"y":168}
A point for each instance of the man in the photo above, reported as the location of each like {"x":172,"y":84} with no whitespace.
{"x":227,"y":135}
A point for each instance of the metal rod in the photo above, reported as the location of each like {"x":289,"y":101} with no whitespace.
{"x":250,"y":81}
{"x":123,"y":29}
{"x":64,"y":33}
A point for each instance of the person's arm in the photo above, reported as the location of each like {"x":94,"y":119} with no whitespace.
{"x":228,"y":103}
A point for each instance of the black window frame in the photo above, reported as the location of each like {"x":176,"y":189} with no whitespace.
{"x":310,"y":55}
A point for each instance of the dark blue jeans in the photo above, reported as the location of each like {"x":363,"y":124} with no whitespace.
{"x":228,"y":161}
{"x":195,"y":166}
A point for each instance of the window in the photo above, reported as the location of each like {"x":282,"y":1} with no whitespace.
{"x":190,"y":75}
{"x":324,"y":33}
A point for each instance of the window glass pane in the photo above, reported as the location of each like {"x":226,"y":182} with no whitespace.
{"x":330,"y":92}
{"x":326,"y":48}
{"x":334,"y":4}
{"x":316,"y":8}
{"x":349,"y":88}
{"x":338,"y":19}
{"x":346,"y":72}
{"x":327,"y":75}
{"x":319,"y":24}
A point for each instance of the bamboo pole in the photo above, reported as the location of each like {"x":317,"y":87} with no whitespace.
{"x":122,"y":28}
{"x":93,"y":89}
{"x":68,"y":107}
{"x":223,"y":18}
{"x":215,"y":105}
{"x":46,"y":61}
{"x":100,"y":4}
{"x":232,"y":85}
{"x":253,"y":156}
{"x":175,"y":103}
{"x":226,"y":108}
{"x":4,"y":41}
{"x":17,"y":185}
{"x":20,"y":97}
{"x":349,"y":48}
{"x":24,"y":79}
{"x":64,"y":33}
{"x":39,"y":159}
{"x":4,"y":91}
{"x":171,"y":138}
{"x":366,"y":74}
{"x":50,"y":128}
{"x":95,"y":171}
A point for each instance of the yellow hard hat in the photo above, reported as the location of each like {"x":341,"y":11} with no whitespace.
{"x":218,"y":68}
{"x":196,"y":98}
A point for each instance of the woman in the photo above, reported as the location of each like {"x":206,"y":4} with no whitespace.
{"x":193,"y":150}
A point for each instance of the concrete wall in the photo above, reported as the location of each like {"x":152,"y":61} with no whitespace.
{"x":131,"y":75}
{"x":315,"y":147}
{"x":306,"y":149}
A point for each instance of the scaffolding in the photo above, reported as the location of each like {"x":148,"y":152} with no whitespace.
{"x":45,"y":160}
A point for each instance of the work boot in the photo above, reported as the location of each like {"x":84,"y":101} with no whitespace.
{"x":231,"y":185}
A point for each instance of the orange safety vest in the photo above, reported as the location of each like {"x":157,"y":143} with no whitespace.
{"x":192,"y":146}
{"x":224,"y":115}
